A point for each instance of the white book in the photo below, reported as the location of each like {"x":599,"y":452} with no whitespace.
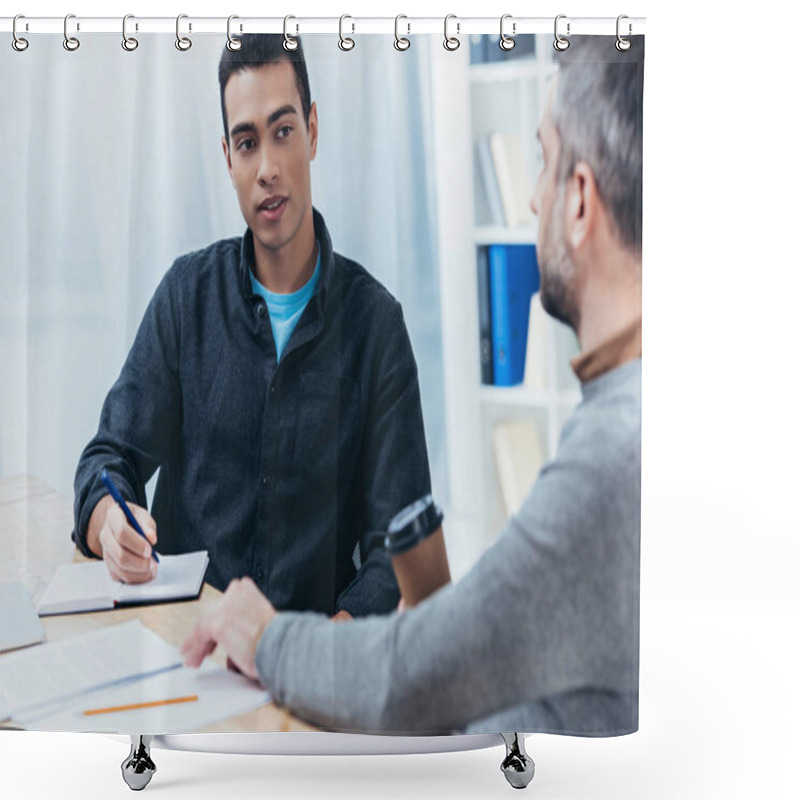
{"x":518,"y":457}
{"x":76,"y":588}
{"x":512,"y":178}
{"x":490,"y":186}
{"x":536,"y":350}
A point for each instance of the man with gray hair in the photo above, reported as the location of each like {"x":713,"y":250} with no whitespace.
{"x":542,"y":634}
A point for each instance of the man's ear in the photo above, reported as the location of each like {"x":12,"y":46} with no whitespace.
{"x":226,"y":151}
{"x":313,"y":130}
{"x":581,"y":206}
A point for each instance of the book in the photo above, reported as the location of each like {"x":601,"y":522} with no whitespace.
{"x":19,"y":623}
{"x":518,"y":458}
{"x":76,"y":588}
{"x":485,"y":318}
{"x":513,"y":279}
{"x":491,"y":189}
{"x":512,"y":178}
{"x":536,"y":351}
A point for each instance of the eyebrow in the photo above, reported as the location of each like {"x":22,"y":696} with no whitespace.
{"x":243,"y":127}
{"x":276,"y":115}
{"x":249,"y":127}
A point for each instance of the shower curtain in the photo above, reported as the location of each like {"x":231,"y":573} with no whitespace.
{"x":282,"y":296}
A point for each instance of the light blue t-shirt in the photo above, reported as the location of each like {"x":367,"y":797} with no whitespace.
{"x":285,"y":309}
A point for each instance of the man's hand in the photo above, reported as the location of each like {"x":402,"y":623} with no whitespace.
{"x":236,"y":623}
{"x":128,"y":557}
{"x":342,"y":616}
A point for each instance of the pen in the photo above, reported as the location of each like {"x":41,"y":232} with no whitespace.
{"x":114,"y":492}
{"x":134,"y":706}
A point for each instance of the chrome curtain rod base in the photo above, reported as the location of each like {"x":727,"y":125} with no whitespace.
{"x":517,"y":766}
{"x":138,"y":768}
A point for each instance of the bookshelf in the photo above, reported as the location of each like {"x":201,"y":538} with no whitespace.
{"x":476,"y":100}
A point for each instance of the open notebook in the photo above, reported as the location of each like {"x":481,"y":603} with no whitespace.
{"x":88,"y":587}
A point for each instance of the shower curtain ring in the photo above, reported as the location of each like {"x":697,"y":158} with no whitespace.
{"x":451,"y":43}
{"x":289,"y":42}
{"x":506,"y":42}
{"x":19,"y":44}
{"x":400,"y":42}
{"x":561,"y":43}
{"x":233,"y":43}
{"x":183,"y":43}
{"x":70,"y":42}
{"x":128,"y":42}
{"x":622,"y":44}
{"x":345,"y":42}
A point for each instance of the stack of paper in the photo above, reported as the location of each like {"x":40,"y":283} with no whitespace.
{"x":128,"y":677}
{"x":219,"y":692}
{"x":35,"y":682}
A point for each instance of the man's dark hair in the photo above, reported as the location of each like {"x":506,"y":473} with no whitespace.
{"x":257,"y":50}
{"x":597,"y":111}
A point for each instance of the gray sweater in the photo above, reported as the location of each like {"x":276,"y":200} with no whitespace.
{"x":542,"y":635}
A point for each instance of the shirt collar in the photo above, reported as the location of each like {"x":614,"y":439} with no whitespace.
{"x":623,"y":346}
{"x":247,"y":261}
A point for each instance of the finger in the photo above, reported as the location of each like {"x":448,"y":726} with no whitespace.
{"x":232,"y":666}
{"x":124,"y":565}
{"x":196,"y":656}
{"x":201,"y":643}
{"x":131,"y":541}
{"x":146,"y":522}
{"x":116,"y":523}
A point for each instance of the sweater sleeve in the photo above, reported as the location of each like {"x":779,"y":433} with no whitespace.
{"x":551,"y":607}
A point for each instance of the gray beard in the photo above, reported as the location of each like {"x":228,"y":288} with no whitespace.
{"x":556,"y":268}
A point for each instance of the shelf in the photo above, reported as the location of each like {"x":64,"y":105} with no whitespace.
{"x":524,"y":397}
{"x":512,"y":70}
{"x":498,"y":234}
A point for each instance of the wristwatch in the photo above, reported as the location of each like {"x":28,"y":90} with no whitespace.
{"x":413,"y":524}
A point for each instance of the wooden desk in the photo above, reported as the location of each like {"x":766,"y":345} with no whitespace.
{"x":35,"y":523}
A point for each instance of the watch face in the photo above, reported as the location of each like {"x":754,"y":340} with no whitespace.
{"x":410,"y":513}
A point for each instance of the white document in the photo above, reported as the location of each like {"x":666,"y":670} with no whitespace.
{"x":36,"y":681}
{"x":88,"y":587}
{"x":19,"y":623}
{"x":220,"y":693}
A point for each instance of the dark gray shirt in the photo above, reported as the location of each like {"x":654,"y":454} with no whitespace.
{"x":279,"y":469}
{"x":542,"y":635}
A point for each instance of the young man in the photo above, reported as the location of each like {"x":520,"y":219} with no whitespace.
{"x":542,"y":634}
{"x":272,"y":381}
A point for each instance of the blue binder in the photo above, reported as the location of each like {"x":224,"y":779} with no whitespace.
{"x":514,"y":278}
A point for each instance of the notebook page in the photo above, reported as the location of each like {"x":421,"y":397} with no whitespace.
{"x":178,"y":576}
{"x":78,"y":587}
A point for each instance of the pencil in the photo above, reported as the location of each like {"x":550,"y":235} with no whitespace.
{"x":133,"y":706}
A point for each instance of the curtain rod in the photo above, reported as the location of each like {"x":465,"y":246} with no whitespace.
{"x":350,"y":25}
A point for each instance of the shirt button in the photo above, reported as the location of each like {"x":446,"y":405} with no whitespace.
{"x":260,"y":310}
{"x":264,"y":483}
